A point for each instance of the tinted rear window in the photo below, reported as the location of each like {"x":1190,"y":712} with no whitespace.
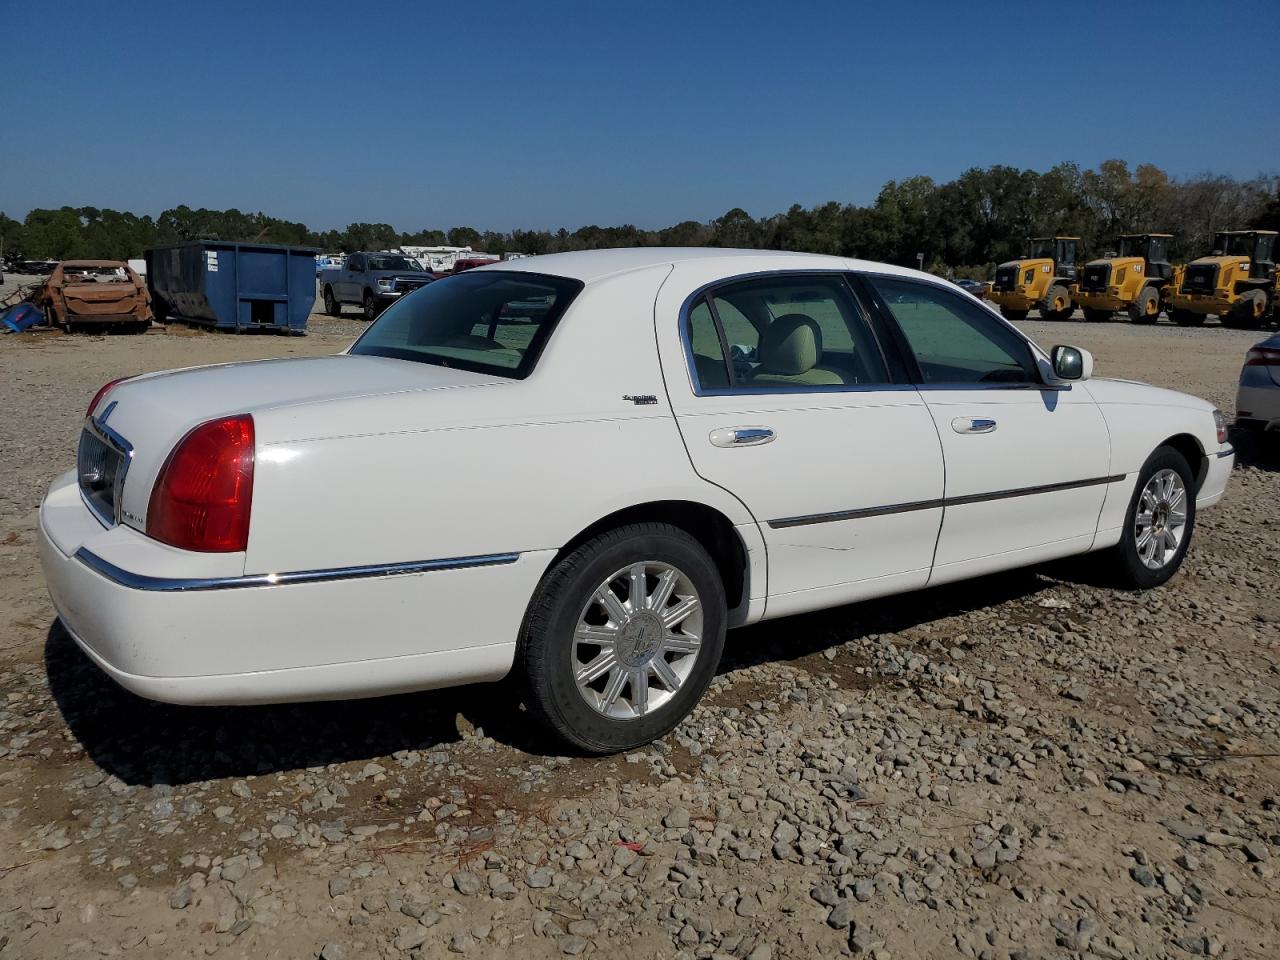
{"x":488,"y":321}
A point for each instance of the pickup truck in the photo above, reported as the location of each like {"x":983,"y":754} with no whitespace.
{"x":373,"y":280}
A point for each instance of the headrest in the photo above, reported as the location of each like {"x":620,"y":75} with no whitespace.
{"x":791,"y":345}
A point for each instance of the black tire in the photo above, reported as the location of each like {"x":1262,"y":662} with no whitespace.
{"x":1247,"y":313}
{"x":331,"y":306}
{"x":1145,"y":309}
{"x":546,"y":652}
{"x":1096,"y":316}
{"x":1013,"y":315}
{"x":1187,"y":318}
{"x":1057,"y":303}
{"x":1130,"y":570}
{"x":370,"y":306}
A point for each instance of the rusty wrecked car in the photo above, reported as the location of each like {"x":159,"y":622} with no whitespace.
{"x":83,"y":293}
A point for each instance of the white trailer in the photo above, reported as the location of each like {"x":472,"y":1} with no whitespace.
{"x":437,"y":259}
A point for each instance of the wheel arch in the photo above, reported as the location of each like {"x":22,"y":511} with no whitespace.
{"x":711,"y":528}
{"x":1190,"y":448}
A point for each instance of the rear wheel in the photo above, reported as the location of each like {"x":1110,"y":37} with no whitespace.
{"x":1186,"y":318}
{"x":1248,"y":312}
{"x":331,"y":306}
{"x":622,"y":637}
{"x":1057,"y":303}
{"x":1158,"y":525}
{"x":1096,"y":316}
{"x":370,"y":306}
{"x":1014,"y":315}
{"x":1146,"y":309}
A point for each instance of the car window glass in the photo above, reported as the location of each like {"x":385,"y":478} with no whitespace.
{"x":355,"y":263}
{"x":491,"y":322}
{"x":791,"y":332}
{"x":953,"y":340}
{"x":709,"y":367}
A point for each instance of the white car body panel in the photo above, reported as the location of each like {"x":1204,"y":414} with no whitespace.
{"x":1139,"y":418}
{"x":1041,"y":439}
{"x":403,"y":514}
{"x":818,"y":464}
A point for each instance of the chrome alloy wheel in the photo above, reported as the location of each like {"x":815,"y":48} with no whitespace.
{"x":637,"y":640}
{"x":1160,"y":522}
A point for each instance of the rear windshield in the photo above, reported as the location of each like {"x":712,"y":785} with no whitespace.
{"x":488,"y":321}
{"x":397,"y":262}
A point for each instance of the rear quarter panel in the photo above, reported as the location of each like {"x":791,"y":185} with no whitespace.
{"x":516,"y":467}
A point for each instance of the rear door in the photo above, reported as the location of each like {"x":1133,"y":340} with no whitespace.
{"x":1026,"y":462}
{"x":786,"y":398}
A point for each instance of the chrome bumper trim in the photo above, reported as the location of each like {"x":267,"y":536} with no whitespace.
{"x":138,"y":581}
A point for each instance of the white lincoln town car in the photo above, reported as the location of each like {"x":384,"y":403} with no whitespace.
{"x":581,"y":469}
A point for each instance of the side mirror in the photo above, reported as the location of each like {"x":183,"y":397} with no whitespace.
{"x":1072,"y":363}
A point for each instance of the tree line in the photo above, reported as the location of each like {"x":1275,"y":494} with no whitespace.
{"x":962,"y":227}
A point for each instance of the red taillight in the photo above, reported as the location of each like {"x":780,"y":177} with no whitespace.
{"x":102,"y":392}
{"x":202,"y":497}
{"x":1262,"y":357}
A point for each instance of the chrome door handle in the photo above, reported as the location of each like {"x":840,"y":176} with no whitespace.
{"x":742,"y":436}
{"x":973,"y":425}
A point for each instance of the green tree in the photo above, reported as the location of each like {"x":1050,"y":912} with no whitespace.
{"x":464,"y":237}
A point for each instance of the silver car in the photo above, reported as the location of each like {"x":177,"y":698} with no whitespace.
{"x":1258,"y":400}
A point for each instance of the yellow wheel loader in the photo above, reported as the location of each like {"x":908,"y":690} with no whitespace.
{"x":1237,"y":282}
{"x":1041,"y":281}
{"x":1133,"y":279}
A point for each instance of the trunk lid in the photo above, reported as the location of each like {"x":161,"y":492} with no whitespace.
{"x":153,"y":412}
{"x":90,"y":299}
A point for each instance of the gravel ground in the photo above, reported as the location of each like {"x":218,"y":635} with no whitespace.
{"x":1028,"y":765}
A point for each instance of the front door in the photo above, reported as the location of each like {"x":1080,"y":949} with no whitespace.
{"x":786,"y":399}
{"x":1026,"y":461}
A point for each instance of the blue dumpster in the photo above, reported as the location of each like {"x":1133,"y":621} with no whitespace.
{"x":234,"y":286}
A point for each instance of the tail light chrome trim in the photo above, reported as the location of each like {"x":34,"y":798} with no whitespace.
{"x":98,"y":429}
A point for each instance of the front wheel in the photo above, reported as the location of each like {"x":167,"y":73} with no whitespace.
{"x":370,"y":307}
{"x":1248,"y":312}
{"x":1057,"y":303}
{"x":1158,"y":525}
{"x":622,"y":637}
{"x":1146,"y":308}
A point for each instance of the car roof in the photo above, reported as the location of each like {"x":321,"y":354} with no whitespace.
{"x":592,"y":265}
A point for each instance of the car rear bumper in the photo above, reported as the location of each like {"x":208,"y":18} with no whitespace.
{"x":86,"y":318}
{"x":234,"y":639}
{"x":1258,"y":399}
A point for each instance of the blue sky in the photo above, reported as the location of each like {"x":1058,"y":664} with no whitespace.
{"x":499,"y":115}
